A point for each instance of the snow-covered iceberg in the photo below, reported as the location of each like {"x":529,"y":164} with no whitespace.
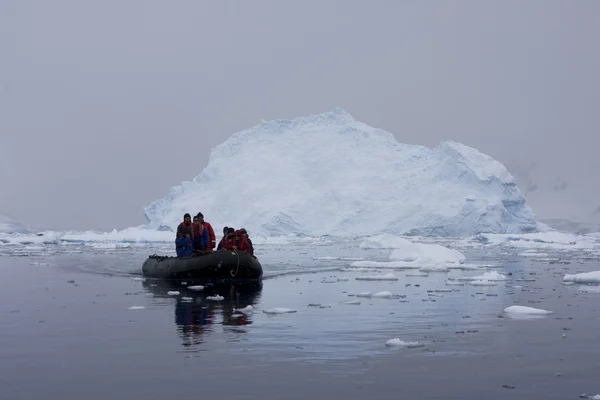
{"x":329,"y":174}
{"x":11,"y":225}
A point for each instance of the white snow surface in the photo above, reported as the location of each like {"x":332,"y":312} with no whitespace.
{"x":329,"y":174}
{"x":585,"y":277}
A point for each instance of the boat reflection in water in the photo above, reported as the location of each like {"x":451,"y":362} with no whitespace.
{"x":197,"y":315}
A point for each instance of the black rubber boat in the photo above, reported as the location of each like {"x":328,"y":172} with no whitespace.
{"x":216,"y":266}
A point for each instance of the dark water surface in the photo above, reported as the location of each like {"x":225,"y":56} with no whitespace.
{"x":66,"y":331}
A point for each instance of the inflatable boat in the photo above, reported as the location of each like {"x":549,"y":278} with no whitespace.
{"x":216,"y":266}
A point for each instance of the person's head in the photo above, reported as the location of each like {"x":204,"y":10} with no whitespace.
{"x":244,"y":231}
{"x":200,"y":217}
{"x":196,"y":219}
{"x":237,"y":234}
{"x":187,"y":218}
{"x":230,"y":232}
{"x":225,"y":230}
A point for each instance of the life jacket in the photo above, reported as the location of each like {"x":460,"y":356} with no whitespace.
{"x":182,"y":229}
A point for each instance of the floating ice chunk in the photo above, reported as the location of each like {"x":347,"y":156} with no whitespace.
{"x":364,"y":294}
{"x":137,"y":279}
{"x":387,"y":277}
{"x":488,"y":276}
{"x":246,"y":310}
{"x":533,"y":253}
{"x":383,"y":264}
{"x":466,"y":267}
{"x":187,"y":299}
{"x":586,"y":277}
{"x":383,"y":295}
{"x":354,"y":302}
{"x":454,"y":283}
{"x":483,"y":283}
{"x":136,"y":308}
{"x":279,"y":310}
{"x":326,"y":258}
{"x":396,"y":342}
{"x":196,"y":287}
{"x":215,"y":297}
{"x":426,"y":254}
{"x":525,"y":311}
{"x":173,"y":293}
{"x":416,"y":275}
{"x":435,"y":268}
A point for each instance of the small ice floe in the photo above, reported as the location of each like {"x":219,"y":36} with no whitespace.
{"x":137,"y":279}
{"x":523,"y":312}
{"x":215,"y":297}
{"x":454,"y":283}
{"x":417,"y":275}
{"x":343,"y":279}
{"x":434,"y":268}
{"x":586,"y":277}
{"x":196,"y":287}
{"x":387,"y":277}
{"x":364,"y":294}
{"x":481,"y":282}
{"x":187,"y":299}
{"x":326,"y":258}
{"x":173,"y":293}
{"x":246,"y":310}
{"x":488,"y":276}
{"x":383,"y":295}
{"x":353,"y":302}
{"x":383,"y":264}
{"x":279,"y":310}
{"x":396,"y":342}
{"x":136,"y":308}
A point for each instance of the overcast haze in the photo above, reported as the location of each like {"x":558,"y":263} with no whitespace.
{"x":105,"y":105}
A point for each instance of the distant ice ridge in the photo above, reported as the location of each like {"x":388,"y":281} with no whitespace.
{"x":329,"y":174}
{"x":10,"y":225}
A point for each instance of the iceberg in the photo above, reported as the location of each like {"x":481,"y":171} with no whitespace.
{"x":11,"y":225}
{"x":330,"y":174}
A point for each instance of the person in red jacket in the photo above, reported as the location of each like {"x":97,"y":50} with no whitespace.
{"x":240,"y":243}
{"x":212,"y":239}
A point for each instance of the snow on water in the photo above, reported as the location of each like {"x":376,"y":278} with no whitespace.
{"x":451,"y":190}
{"x":586,"y":277}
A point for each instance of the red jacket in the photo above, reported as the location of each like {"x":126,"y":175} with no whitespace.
{"x":212,"y":239}
{"x":238,"y":243}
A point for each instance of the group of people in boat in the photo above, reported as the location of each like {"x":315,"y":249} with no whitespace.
{"x":198,"y":237}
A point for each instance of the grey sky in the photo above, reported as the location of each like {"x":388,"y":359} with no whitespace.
{"x":105,"y":105}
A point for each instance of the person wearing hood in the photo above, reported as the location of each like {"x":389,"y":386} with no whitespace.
{"x":245,"y":234}
{"x":184,"y":238}
{"x":238,"y":243}
{"x":212,"y":239}
{"x":199,"y":236}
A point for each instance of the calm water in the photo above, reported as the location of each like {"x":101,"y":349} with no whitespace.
{"x":66,"y":330}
